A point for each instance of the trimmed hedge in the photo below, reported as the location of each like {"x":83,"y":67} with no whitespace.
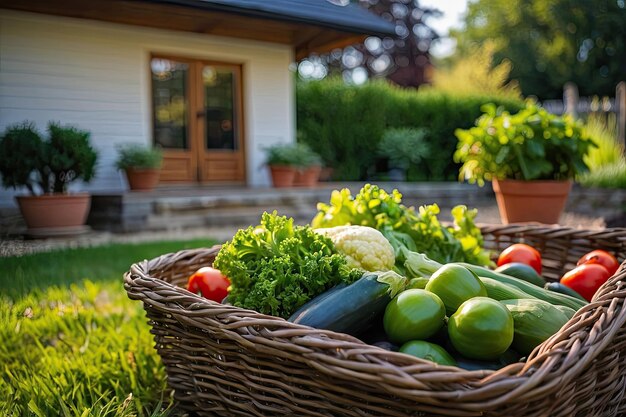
{"x":344,"y":123}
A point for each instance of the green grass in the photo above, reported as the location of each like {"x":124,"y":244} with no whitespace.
{"x":73,"y":344}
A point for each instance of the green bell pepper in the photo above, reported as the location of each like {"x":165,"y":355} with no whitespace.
{"x":455,"y":284}
{"x":429,"y":351}
{"x":413,"y":314}
{"x":481,"y":328}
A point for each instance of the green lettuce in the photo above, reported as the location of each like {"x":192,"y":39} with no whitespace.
{"x":418,"y":230}
{"x":276,"y":267}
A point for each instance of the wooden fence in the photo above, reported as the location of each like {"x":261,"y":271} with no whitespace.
{"x":579,"y":106}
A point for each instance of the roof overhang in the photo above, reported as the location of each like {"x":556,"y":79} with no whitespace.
{"x":307,"y":29}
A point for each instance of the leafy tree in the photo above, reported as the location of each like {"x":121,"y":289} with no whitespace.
{"x":551,"y":42}
{"x":403,"y":59}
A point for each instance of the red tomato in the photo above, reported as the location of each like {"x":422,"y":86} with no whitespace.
{"x":586,"y":279}
{"x":600,"y":257}
{"x":209,"y":283}
{"x":523,"y":253}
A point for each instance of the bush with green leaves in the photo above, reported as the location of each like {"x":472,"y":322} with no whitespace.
{"x":606,"y":176}
{"x":345,"y":123}
{"x":298,"y":155}
{"x":138,"y":156}
{"x":45,"y":165}
{"x":607,"y":162}
{"x":529,"y":145}
{"x":603,"y":131}
{"x":406,"y":149}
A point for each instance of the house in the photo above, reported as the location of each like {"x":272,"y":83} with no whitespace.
{"x":210,"y":81}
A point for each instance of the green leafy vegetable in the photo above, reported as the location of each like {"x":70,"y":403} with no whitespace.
{"x":420,"y":230}
{"x":276,"y":267}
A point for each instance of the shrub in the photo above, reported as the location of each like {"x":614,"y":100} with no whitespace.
{"x":603,"y":131}
{"x":607,"y":162}
{"x":45,"y":166}
{"x":344,"y":124}
{"x":138,"y":156}
{"x":406,"y":149}
{"x":606,"y":176}
{"x":21,"y":154}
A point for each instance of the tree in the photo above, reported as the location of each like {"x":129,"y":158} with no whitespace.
{"x":402,"y":59}
{"x":476,"y":74}
{"x":551,"y":42}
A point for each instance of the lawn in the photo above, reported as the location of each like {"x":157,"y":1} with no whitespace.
{"x":73,"y":344}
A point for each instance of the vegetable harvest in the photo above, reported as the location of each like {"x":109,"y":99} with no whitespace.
{"x":394,"y":276}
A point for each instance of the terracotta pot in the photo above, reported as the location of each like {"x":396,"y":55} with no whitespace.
{"x":531,"y":201}
{"x":142,"y":179}
{"x":282,"y":175}
{"x":308,"y":177}
{"x":53,"y":214}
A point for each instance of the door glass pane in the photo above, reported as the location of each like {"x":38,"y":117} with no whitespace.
{"x":170,"y":103}
{"x":220,"y":104}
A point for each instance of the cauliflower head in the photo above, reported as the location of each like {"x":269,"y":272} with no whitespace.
{"x":364,"y":247}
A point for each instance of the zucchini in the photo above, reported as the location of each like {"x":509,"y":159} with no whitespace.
{"x":318,"y":299}
{"x":522,"y":271}
{"x":531,"y":289}
{"x":500,"y":291}
{"x":563,"y":289}
{"x":354,"y":308}
{"x":569,"y":312}
{"x":534,"y":322}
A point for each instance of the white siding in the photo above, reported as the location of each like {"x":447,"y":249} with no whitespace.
{"x":96,"y":75}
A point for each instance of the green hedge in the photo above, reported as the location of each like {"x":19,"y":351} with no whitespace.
{"x":344,"y":124}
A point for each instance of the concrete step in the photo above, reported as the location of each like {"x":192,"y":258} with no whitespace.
{"x":187,"y":208}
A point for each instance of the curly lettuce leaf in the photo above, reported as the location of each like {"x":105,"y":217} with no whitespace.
{"x":276,"y":267}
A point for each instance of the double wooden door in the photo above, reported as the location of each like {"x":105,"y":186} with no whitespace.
{"x":197,"y":120}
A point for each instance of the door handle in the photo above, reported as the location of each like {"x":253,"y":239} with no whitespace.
{"x":201,"y":113}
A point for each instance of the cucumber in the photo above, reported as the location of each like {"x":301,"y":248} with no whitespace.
{"x":522,"y":271}
{"x":500,"y":291}
{"x":531,"y":289}
{"x":354,"y":308}
{"x":569,"y":312}
{"x":535,"y":321}
{"x":563,"y":289}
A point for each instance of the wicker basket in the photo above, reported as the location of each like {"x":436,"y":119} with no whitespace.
{"x":222,"y":360}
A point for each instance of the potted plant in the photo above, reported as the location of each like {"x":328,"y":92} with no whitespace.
{"x":293,"y":164}
{"x":530,"y":157}
{"x":309,"y":166}
{"x":142,"y":165}
{"x":405,"y":149}
{"x":282,"y":163}
{"x":46,"y":167}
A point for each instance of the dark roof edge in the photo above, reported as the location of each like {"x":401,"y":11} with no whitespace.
{"x":364,"y":28}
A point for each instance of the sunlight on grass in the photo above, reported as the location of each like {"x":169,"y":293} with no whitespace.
{"x":73,"y":346}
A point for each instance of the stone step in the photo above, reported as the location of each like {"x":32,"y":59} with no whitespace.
{"x":221,"y":216}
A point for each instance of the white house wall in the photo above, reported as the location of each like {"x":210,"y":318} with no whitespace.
{"x":96,"y":75}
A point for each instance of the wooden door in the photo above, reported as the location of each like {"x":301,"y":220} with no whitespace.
{"x":221,"y":156}
{"x":197,"y":120}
